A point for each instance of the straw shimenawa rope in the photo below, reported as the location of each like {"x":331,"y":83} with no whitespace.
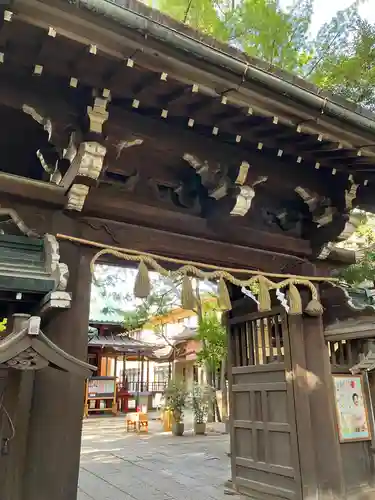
{"x":190,"y":269}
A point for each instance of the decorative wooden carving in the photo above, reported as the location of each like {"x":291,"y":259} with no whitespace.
{"x":50,"y":169}
{"x":30,"y":349}
{"x":97,"y":113}
{"x":90,"y":157}
{"x":219,"y":186}
{"x":54,"y":267}
{"x":320,"y":236}
{"x":52,"y":253}
{"x":71,"y":151}
{"x":121,"y":145}
{"x":49,"y":156}
{"x":214,"y":179}
{"x":42,"y":120}
{"x":27,"y":360}
{"x":311,"y":199}
{"x":325,"y":251}
{"x":350,"y":195}
{"x":320,"y":207}
{"x":242,"y":173}
{"x":324,"y":215}
{"x":350,"y":227}
{"x":88,"y":163}
{"x":64,"y":276}
{"x":9,"y":215}
{"x":77,"y":195}
{"x":56,"y":300}
{"x":245,"y":197}
{"x":331,"y":224}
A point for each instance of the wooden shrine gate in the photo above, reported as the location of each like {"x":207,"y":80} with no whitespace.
{"x":263,"y":436}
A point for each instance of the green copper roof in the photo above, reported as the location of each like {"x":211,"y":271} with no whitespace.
{"x":23,"y":266}
{"x":361,"y":298}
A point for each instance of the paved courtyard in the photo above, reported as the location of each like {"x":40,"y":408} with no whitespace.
{"x":116,"y":465}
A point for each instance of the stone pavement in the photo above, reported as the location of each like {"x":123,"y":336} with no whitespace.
{"x":116,"y":465}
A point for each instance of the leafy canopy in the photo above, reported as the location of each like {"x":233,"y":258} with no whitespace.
{"x":213,"y":337}
{"x":113,"y":296}
{"x":3,"y":325}
{"x":363,"y":241}
{"x":339,"y":58}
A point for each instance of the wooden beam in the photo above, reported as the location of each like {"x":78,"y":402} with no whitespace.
{"x":118,"y":208}
{"x":30,"y":189}
{"x":183,"y":246}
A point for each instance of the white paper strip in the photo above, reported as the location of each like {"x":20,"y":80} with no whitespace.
{"x":247,"y":292}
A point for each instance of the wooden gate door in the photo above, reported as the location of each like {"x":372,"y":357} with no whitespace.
{"x":263,"y":436}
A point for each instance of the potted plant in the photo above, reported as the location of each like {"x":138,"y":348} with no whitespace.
{"x":202,"y":396}
{"x":175,"y":401}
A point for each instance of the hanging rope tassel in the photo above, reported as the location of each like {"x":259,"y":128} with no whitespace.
{"x":142,"y":285}
{"x":295,"y":301}
{"x":188,"y":300}
{"x":264,"y":296}
{"x":314,"y":308}
{"x":224,"y":297}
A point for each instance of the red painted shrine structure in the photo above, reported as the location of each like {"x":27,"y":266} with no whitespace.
{"x":123,"y":128}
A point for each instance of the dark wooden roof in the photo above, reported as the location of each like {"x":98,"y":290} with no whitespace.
{"x":274,"y":120}
{"x":121,"y":344}
{"x":158,"y":26}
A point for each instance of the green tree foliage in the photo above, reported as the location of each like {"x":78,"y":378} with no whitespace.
{"x":339,"y":58}
{"x":363,"y":241}
{"x":213,"y":337}
{"x":348,"y":67}
{"x":113,"y":294}
{"x":164,"y":297}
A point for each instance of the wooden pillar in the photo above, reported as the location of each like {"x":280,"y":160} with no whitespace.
{"x":300,"y":381}
{"x":148,"y":374}
{"x":16,"y":399}
{"x":231,"y":364}
{"x":142,"y":373}
{"x":100,"y":362}
{"x":326,"y":445}
{"x":124,"y":372}
{"x":52,"y":462}
{"x":138,"y":379}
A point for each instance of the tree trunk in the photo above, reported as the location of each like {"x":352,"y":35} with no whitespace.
{"x":217,"y":410}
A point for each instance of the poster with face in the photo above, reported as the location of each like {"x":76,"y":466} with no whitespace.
{"x":351,"y":407}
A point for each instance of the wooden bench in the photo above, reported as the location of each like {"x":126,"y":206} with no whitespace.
{"x":137,"y":422}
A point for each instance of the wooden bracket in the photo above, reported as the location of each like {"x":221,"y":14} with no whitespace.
{"x":87,"y":164}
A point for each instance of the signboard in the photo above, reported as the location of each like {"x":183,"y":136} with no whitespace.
{"x":131,"y":404}
{"x":101,"y":387}
{"x":351,"y":407}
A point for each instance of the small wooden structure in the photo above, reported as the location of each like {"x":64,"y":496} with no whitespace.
{"x":138,"y":133}
{"x":111,"y":354}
